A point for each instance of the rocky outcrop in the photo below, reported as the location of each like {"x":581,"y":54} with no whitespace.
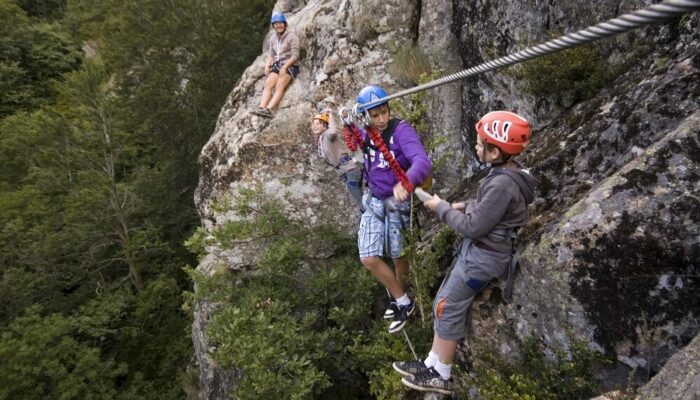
{"x":613,"y":245}
{"x":340,"y":54}
{"x":613,"y":242}
{"x":679,"y":379}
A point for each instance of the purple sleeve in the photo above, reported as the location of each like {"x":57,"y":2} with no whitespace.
{"x":413,"y":150}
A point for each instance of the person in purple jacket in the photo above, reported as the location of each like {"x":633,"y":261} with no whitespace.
{"x":386,"y":204}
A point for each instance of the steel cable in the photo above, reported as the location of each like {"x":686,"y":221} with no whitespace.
{"x":652,"y":14}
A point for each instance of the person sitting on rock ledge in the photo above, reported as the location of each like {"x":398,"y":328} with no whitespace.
{"x":280,"y":66}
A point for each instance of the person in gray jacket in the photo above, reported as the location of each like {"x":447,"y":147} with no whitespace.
{"x":486,"y":252}
{"x":281,"y":65}
{"x":332,"y":148}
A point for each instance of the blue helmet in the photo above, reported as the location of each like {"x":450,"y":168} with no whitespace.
{"x":369,"y":94}
{"x":278,"y":17}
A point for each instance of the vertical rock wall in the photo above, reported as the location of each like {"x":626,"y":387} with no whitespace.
{"x":613,"y":244}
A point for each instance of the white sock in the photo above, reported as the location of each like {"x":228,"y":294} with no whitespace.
{"x":445,"y":370}
{"x":403,"y":300}
{"x":431,"y":360}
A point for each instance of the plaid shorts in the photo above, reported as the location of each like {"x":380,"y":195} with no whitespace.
{"x":373,"y":233}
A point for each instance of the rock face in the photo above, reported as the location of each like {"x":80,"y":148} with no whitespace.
{"x":679,"y":379}
{"x":613,"y":244}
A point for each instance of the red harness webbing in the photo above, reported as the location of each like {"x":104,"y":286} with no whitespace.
{"x":353,"y":138}
{"x":395,"y":167}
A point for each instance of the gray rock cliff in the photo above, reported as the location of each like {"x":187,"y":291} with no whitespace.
{"x":613,"y":246}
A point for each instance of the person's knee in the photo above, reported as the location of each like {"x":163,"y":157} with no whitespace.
{"x":370,"y":262}
{"x":281,"y":86}
{"x":271,"y":80}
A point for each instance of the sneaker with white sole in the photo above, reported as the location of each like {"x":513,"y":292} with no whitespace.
{"x":392,"y":310}
{"x":409,"y":368}
{"x":401,"y":317}
{"x":429,"y":381}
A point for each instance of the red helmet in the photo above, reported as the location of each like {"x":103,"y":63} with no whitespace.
{"x":508,"y":131}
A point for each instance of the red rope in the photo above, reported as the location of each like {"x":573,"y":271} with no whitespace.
{"x":353,"y":138}
{"x":395,"y":167}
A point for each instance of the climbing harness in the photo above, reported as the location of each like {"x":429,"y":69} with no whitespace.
{"x":627,"y":22}
{"x":517,"y":250}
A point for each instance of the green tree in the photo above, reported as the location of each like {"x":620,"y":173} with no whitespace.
{"x":41,"y":357}
{"x":32,"y":57}
{"x":99,"y":167}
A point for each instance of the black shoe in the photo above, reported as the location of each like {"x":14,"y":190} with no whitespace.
{"x":391,"y":311}
{"x":429,"y":381}
{"x":401,"y":317}
{"x":263,"y":112}
{"x":409,"y":368}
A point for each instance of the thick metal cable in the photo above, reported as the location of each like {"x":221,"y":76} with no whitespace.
{"x":647,"y":16}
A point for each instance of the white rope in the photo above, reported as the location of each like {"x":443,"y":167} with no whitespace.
{"x":647,"y":16}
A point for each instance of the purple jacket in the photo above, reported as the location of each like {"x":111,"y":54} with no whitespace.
{"x":408,"y":150}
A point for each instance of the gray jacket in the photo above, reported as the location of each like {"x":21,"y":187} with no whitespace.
{"x":284,"y":47}
{"x":501,"y":204}
{"x":332,"y":147}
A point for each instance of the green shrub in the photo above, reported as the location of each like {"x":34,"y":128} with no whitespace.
{"x":409,"y":64}
{"x":299,"y":323}
{"x":363,"y":24}
{"x":577,"y":73}
{"x":538,"y":373}
{"x":414,"y":110}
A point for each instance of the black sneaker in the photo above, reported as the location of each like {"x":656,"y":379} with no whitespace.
{"x":391,"y":311}
{"x":263,"y":112}
{"x":401,"y":317}
{"x":429,"y":381}
{"x":409,"y":368}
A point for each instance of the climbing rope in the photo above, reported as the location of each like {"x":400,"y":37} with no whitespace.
{"x":647,"y":16}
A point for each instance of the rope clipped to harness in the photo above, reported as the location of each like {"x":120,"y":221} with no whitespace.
{"x":395,"y":167}
{"x":353,"y":138}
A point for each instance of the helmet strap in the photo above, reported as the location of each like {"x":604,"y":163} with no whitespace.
{"x":484,"y":165}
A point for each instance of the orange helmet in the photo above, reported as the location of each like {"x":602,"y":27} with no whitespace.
{"x":508,"y":131}
{"x":322,"y":117}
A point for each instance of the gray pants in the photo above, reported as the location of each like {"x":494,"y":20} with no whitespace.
{"x":353,"y":183}
{"x":474,"y":269}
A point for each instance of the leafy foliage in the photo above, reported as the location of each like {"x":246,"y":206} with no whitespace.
{"x":538,"y":373}
{"x":99,"y":167}
{"x":577,"y":73}
{"x":32,"y":57}
{"x":409,"y":64}
{"x":44,"y":357}
{"x":321,"y":339}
